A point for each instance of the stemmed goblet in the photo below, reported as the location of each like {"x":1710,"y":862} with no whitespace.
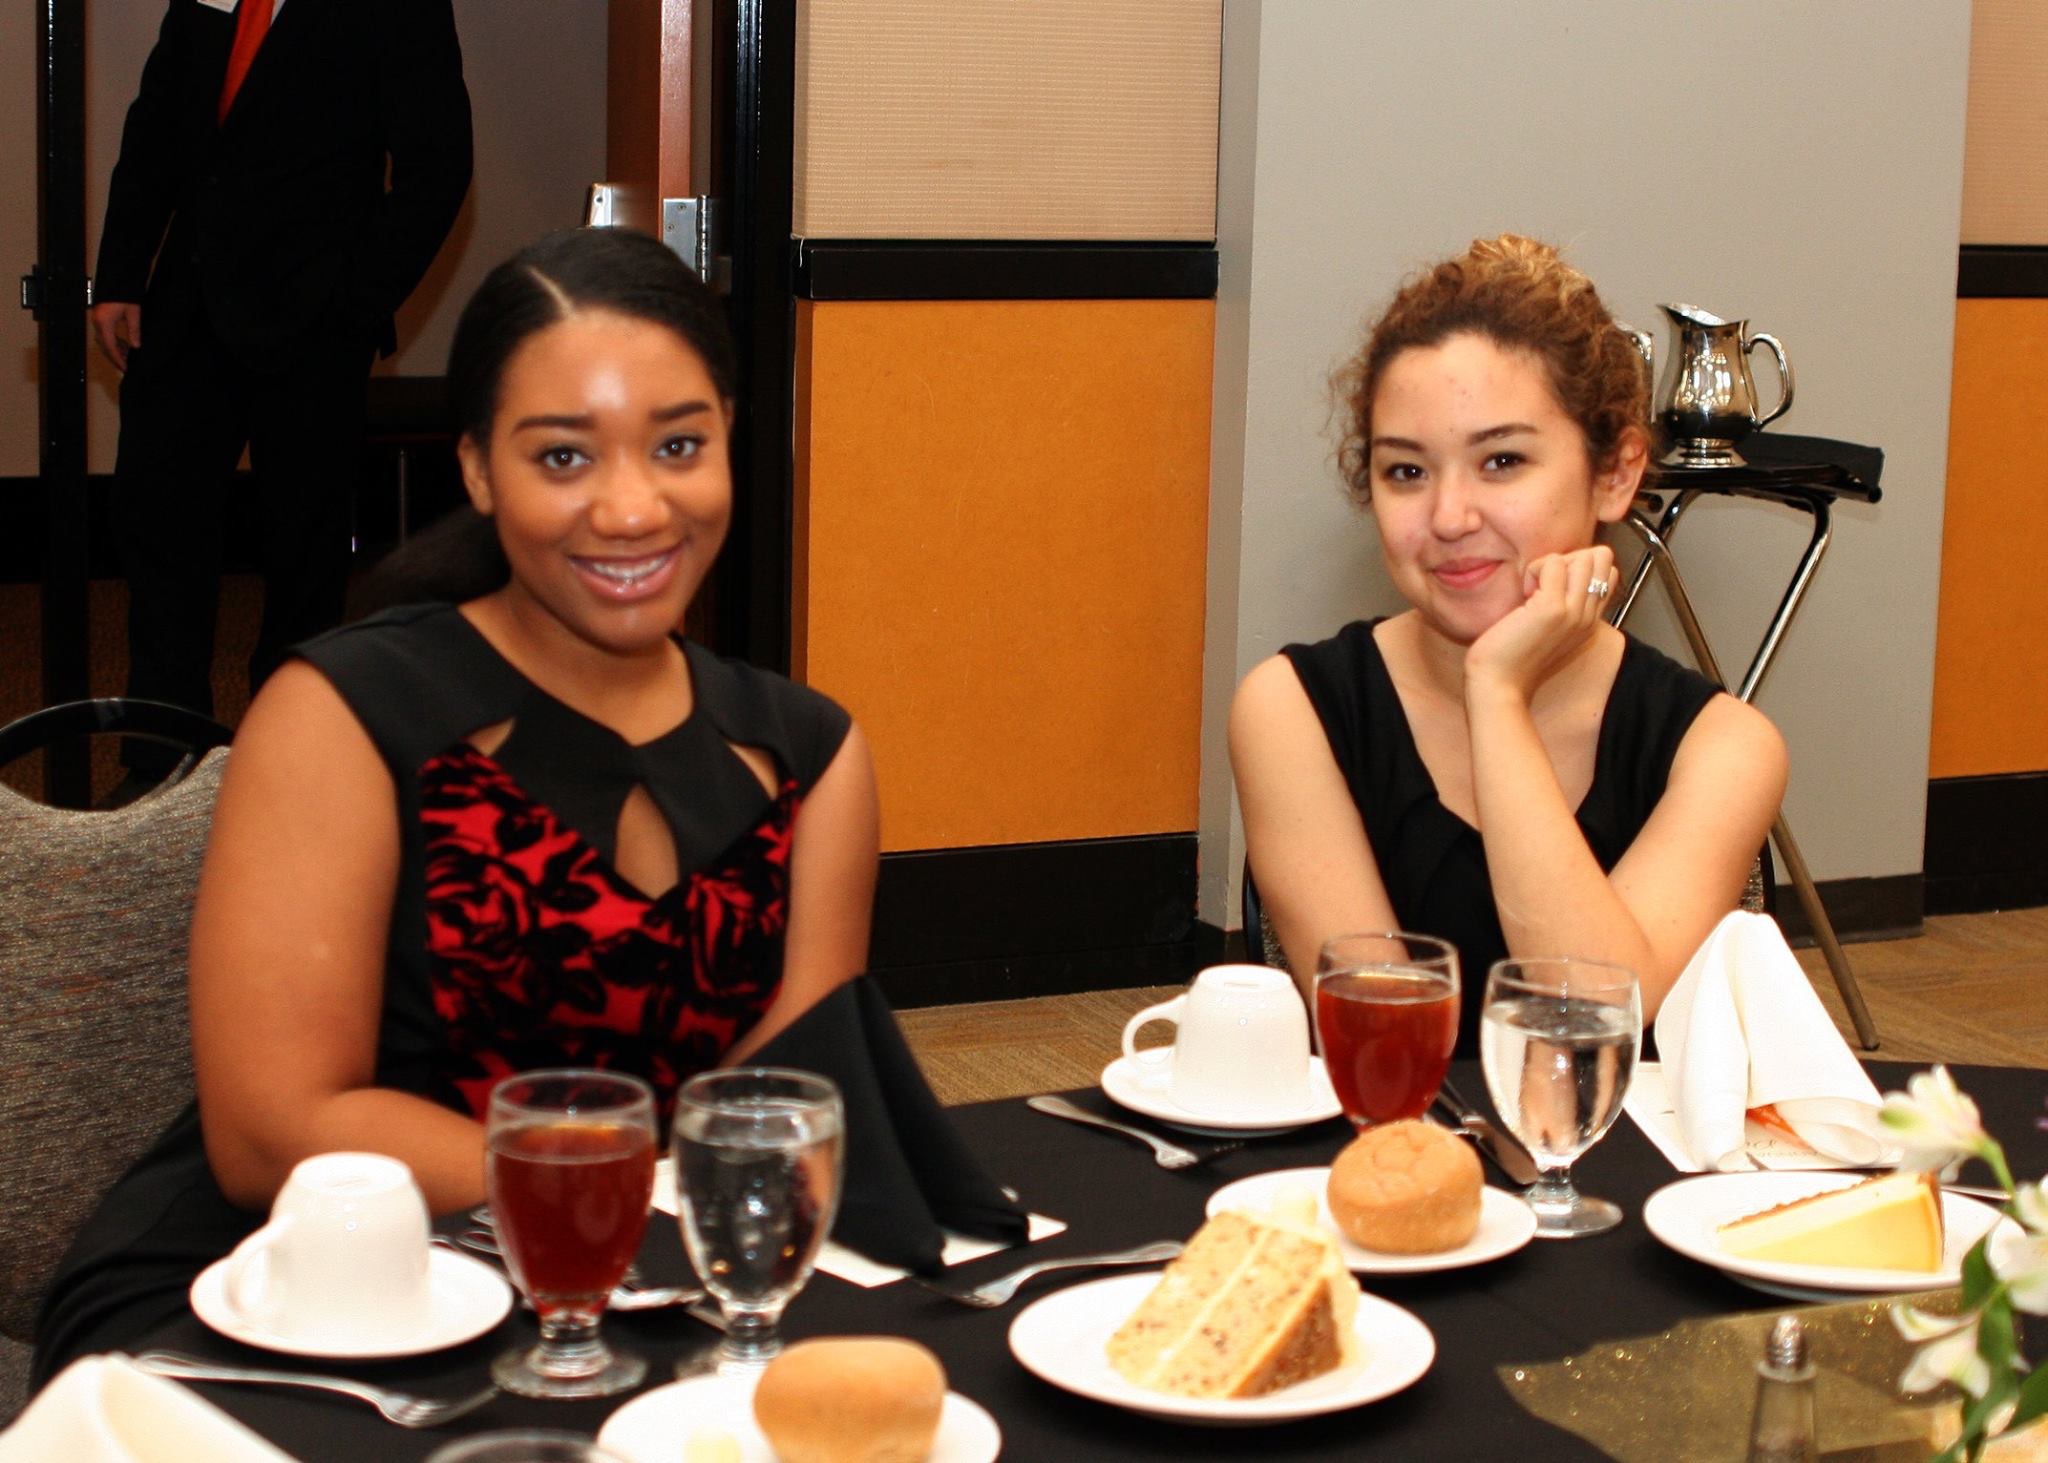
{"x":757,"y":1186}
{"x":570,"y":1166}
{"x":1386,"y":1009}
{"x":1558,"y":1040}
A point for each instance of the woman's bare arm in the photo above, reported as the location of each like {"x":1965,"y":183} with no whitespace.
{"x":832,"y":865}
{"x":288,"y":952}
{"x":1685,"y":869}
{"x":1303,"y":835}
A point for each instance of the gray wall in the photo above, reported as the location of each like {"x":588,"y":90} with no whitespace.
{"x":536,"y":73}
{"x":1798,"y":165}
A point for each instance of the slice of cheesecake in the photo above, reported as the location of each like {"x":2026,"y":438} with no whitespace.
{"x":1888,"y":1223}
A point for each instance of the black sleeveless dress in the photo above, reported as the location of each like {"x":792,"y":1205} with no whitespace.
{"x":1433,"y":862}
{"x":514,"y":942}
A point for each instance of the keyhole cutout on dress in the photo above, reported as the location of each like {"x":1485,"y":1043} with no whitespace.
{"x":646,"y":848}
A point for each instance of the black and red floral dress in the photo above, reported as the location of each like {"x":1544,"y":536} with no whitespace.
{"x":515,"y":943}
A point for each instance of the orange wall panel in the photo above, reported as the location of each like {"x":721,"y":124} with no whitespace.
{"x":1002,"y":519}
{"x":1991,"y":651}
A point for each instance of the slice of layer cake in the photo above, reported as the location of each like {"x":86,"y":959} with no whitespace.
{"x":1887,"y":1223}
{"x":1251,"y":1306}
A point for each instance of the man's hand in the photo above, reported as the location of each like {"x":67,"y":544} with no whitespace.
{"x":117,"y":326}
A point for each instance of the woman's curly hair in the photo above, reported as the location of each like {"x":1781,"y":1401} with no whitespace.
{"x":1520,"y":295}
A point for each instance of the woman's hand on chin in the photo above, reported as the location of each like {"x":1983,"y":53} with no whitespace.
{"x":1521,"y":649}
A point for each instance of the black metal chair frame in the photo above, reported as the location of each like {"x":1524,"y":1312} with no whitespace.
{"x":153,"y":721}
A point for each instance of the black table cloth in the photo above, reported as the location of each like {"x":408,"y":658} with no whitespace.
{"x":1545,"y":1302}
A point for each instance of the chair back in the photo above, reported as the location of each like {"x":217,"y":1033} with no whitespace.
{"x":1261,"y":940}
{"x":94,"y":1032}
{"x":187,"y":731}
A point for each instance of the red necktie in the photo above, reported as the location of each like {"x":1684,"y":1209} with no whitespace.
{"x":252,"y":23}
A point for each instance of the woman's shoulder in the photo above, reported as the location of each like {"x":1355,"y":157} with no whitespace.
{"x":416,"y":676}
{"x":760,"y":708}
{"x":390,"y":641}
{"x":1660,"y":709}
{"x":1350,"y":649}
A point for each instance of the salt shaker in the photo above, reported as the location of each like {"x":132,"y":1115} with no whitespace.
{"x":1781,"y":1429}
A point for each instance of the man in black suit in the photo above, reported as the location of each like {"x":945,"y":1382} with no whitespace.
{"x":292,"y":167}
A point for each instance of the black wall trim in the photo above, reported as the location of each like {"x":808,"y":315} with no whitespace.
{"x":1985,"y":845}
{"x":921,"y":269}
{"x":2002,"y":272}
{"x":1033,"y":919}
{"x":1888,"y":908}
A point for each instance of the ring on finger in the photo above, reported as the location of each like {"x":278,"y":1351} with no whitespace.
{"x":1598,"y":588}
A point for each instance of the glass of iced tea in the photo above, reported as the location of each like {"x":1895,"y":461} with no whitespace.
{"x":569,"y":1159}
{"x":1386,"y":1019}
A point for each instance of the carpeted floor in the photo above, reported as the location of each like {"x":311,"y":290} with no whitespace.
{"x":1970,"y":989}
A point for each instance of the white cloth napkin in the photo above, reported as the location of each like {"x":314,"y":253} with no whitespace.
{"x":100,"y":1409}
{"x":837,"y":1260}
{"x":1743,"y":1028}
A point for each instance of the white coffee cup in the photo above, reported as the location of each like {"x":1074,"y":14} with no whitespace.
{"x":344,"y":1258}
{"x":1241,"y":1050}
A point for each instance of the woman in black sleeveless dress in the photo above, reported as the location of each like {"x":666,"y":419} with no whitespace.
{"x":536,"y":828}
{"x":1497,"y":765}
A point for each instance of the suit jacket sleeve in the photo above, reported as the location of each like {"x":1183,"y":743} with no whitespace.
{"x":144,"y":186}
{"x":427,"y":134}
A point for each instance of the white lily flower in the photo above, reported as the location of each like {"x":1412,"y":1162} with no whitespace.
{"x":2030,"y":1201}
{"x":2022,"y":1263}
{"x":1947,"y":1351}
{"x":1935,"y":1123}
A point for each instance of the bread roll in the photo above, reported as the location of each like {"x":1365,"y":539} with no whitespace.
{"x":1406,"y":1188}
{"x":851,"y":1399}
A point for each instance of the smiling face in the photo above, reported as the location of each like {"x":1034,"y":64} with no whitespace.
{"x":1476,"y":470}
{"x":608,"y":473}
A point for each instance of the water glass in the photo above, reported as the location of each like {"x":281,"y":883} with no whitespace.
{"x":569,"y":1157}
{"x":1558,"y":1040}
{"x":1387,"y":1020}
{"x":758,"y":1153}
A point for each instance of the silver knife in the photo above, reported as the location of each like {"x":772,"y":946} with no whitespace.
{"x":1502,"y":1148}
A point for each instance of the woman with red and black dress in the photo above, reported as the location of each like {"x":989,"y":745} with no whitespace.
{"x":534,"y":828}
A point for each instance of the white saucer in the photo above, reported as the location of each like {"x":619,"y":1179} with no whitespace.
{"x":1142,"y":1086}
{"x":1063,"y":1339}
{"x":1687,"y":1215}
{"x":656,"y":1427}
{"x":469,"y":1298}
{"x":1505,"y":1223}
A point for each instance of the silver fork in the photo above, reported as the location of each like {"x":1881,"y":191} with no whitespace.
{"x":1170,"y":1155}
{"x":399,"y":1407}
{"x":999,"y":1291}
{"x":627,"y":1295}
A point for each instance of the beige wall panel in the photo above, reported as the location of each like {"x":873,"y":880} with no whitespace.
{"x":991,"y":119}
{"x":2005,"y":150}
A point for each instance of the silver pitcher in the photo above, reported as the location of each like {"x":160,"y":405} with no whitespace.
{"x":1706,"y":402}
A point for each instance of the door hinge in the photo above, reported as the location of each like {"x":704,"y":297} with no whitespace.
{"x":690,"y":226}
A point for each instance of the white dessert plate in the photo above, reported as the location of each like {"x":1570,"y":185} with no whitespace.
{"x":1687,"y":1215}
{"x":1063,"y":1338}
{"x":1505,"y":1223}
{"x":1144,"y":1087}
{"x":657,"y":1426}
{"x":469,"y":1298}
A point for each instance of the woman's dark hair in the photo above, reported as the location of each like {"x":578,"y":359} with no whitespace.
{"x":618,"y":270}
{"x":457,"y":558}
{"x":1520,"y":295}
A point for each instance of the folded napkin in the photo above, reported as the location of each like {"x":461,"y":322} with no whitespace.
{"x":100,"y":1409}
{"x":1743,"y":1029}
{"x":908,"y":1174}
